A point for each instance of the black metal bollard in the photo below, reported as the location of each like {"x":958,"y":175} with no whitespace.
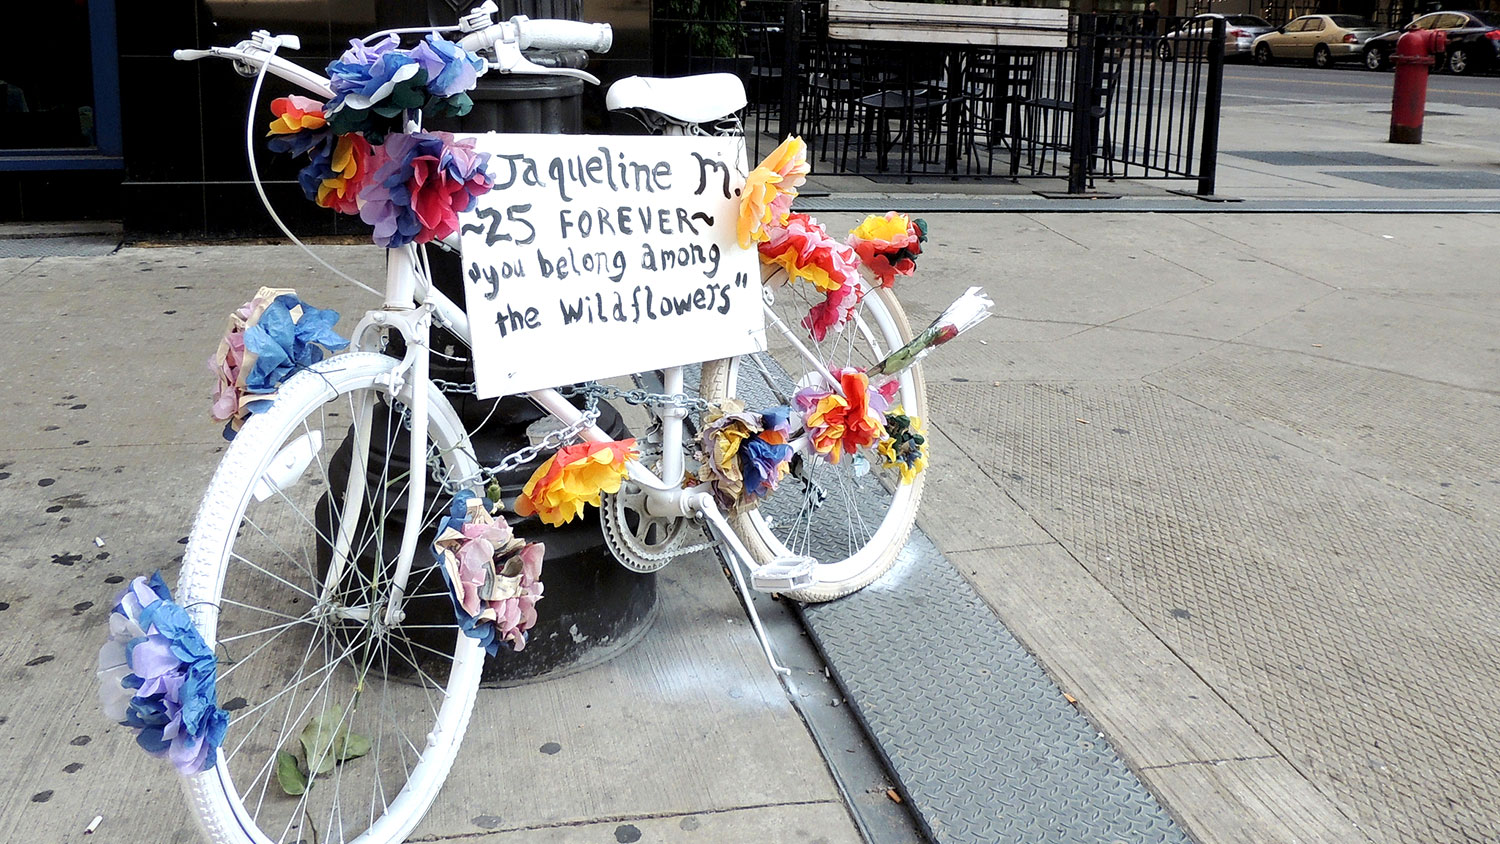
{"x":592,"y":608}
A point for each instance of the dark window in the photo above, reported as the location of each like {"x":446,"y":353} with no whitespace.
{"x":46,"y":95}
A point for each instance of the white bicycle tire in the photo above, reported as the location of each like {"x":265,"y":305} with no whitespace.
{"x":212,"y":795}
{"x":835,"y":578}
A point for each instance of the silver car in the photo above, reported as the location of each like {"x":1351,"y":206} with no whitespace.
{"x":1240,"y":32}
{"x":1321,"y":39}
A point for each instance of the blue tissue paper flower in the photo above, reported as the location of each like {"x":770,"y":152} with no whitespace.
{"x":282,"y":346}
{"x":157,"y":675}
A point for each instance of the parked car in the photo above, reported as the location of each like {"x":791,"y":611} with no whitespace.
{"x":1323,"y":39}
{"x":1240,"y":31}
{"x":1473,"y":41}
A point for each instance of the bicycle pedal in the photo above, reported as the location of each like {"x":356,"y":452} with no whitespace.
{"x":785,"y":574}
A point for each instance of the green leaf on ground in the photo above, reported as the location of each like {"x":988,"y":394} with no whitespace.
{"x":288,"y":776}
{"x":353,"y":746}
{"x":320,"y":738}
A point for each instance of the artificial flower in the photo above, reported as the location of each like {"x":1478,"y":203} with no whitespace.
{"x":725,"y":429}
{"x":801,"y":246}
{"x":842,"y":422}
{"x":744,"y":453}
{"x":156,"y":654}
{"x":296,"y":114}
{"x":369,"y":74}
{"x":967,"y":311}
{"x":420,"y":184}
{"x":494,"y":578}
{"x":258,"y":352}
{"x":833,"y":312}
{"x":373,"y":81}
{"x":290,"y":335}
{"x":888,"y":246}
{"x":904,"y":446}
{"x":769,"y":190}
{"x":451,"y":70}
{"x":763,"y":464}
{"x":381,"y":80}
{"x":348,"y":171}
{"x":573,"y":477}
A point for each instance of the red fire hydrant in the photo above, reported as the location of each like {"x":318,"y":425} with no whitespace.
{"x":1414,"y":52}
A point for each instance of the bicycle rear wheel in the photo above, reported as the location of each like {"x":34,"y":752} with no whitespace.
{"x":853,"y":517}
{"x":309,"y":669}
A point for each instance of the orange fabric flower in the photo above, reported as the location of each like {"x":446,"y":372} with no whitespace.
{"x":802,"y":246}
{"x":770,"y":188}
{"x":294,"y":114}
{"x":842,"y":424}
{"x":573,"y":477}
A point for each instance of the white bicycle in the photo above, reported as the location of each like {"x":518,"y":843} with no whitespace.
{"x":312,"y":545}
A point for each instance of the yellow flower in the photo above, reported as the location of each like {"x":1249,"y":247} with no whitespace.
{"x":904,"y":446}
{"x":888,"y":228}
{"x":770,"y":188}
{"x":573,"y":477}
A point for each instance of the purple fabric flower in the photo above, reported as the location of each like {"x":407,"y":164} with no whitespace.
{"x":366,"y":74}
{"x":422,"y":181}
{"x":450,"y":68}
{"x":156,"y":674}
{"x":762,"y":465}
{"x":778,"y":419}
{"x":298,"y":143}
{"x":284,"y":344}
{"x":371,"y":82}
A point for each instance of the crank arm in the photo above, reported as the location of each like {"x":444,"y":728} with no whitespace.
{"x":706,"y":509}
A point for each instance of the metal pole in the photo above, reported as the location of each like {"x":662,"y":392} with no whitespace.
{"x":1081,"y":153}
{"x":1208,"y":161}
{"x":790,"y":76}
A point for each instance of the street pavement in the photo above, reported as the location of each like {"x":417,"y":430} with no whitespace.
{"x":1231,"y":478}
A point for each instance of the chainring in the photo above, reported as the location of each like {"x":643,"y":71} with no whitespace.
{"x":640,"y":541}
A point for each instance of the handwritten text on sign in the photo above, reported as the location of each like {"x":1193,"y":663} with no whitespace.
{"x":596,"y":256}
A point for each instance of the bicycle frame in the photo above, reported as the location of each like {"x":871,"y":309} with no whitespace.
{"x":411,"y":304}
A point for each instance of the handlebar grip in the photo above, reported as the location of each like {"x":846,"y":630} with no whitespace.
{"x":566,"y":35}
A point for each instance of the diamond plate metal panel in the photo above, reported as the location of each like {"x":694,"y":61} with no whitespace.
{"x":50,"y":247}
{"x":982,"y":742}
{"x":1423,"y":179}
{"x":1350,"y":158}
{"x":1349,"y":621}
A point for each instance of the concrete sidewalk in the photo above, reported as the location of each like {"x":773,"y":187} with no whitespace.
{"x":1239,"y":500}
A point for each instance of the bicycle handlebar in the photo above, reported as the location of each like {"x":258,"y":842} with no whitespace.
{"x":251,"y":57}
{"x":518,"y":33}
{"x":543,"y":35}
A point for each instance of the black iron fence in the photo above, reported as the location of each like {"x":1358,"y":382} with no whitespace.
{"x":1127,"y":97}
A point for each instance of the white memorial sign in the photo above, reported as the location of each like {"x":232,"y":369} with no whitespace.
{"x":597,"y":256}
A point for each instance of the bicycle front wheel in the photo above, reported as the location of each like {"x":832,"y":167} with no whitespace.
{"x":344,"y":724}
{"x":852,"y":517}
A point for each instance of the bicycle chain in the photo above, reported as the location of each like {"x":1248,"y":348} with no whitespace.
{"x":592,"y":392}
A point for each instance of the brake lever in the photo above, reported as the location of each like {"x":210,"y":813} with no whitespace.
{"x":509,"y":59}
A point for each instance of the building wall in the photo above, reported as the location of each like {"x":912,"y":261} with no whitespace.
{"x":186,"y":173}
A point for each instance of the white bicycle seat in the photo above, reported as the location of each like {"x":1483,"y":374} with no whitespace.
{"x":691,"y":99}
